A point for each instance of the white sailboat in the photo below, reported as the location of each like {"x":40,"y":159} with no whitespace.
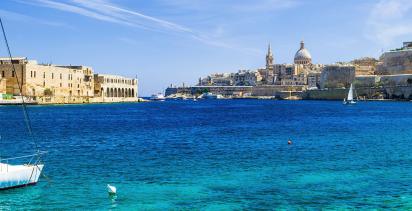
{"x":349,"y":99}
{"x":15,"y":176}
{"x":12,"y":173}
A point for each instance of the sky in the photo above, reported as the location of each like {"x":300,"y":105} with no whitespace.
{"x":165,"y":42}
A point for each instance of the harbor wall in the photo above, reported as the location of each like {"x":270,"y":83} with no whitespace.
{"x":82,"y":100}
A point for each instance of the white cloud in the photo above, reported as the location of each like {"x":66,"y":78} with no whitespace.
{"x":232,"y":5}
{"x":389,"y":20}
{"x":105,"y":10}
{"x":24,"y":18}
{"x":108,"y":11}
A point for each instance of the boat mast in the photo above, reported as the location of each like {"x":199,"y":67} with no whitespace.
{"x":26,"y":115}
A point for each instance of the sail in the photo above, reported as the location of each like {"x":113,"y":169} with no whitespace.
{"x":350,"y":94}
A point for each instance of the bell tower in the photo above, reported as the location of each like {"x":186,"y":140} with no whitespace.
{"x":269,"y":58}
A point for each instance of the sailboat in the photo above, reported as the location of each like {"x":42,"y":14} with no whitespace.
{"x":349,"y":100}
{"x":14,"y":172}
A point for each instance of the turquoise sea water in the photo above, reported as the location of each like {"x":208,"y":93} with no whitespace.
{"x":216,"y":155}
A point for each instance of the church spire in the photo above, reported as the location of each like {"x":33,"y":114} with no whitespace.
{"x":269,"y":58}
{"x":269,"y":50}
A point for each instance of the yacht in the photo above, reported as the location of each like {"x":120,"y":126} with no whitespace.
{"x":158,"y":97}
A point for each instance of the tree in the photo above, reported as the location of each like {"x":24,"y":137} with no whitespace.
{"x":48,"y":92}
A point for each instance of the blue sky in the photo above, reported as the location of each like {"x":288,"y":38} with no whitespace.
{"x":166,"y":41}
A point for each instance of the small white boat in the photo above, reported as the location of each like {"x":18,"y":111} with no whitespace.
{"x":349,"y":100}
{"x":210,"y":95}
{"x":111,"y":189}
{"x":158,"y":97}
{"x":15,"y":176}
{"x":24,"y":170}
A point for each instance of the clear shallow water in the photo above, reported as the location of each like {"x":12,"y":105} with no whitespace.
{"x":216,"y":155}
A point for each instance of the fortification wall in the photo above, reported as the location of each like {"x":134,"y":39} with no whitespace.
{"x":396,"y":62}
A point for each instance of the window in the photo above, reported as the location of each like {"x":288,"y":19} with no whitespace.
{"x":44,"y":83}
{"x":61,"y":76}
{"x":44,"y":74}
{"x":34,"y":73}
{"x":31,"y":74}
{"x":12,"y":73}
{"x":60,"y":84}
{"x":52,"y":75}
{"x":2,"y":74}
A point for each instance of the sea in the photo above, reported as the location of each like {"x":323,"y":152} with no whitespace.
{"x":214,"y":155}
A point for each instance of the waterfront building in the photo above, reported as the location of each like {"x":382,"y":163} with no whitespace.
{"x":47,"y":83}
{"x":217,"y":79}
{"x":398,"y":61}
{"x":114,"y":88}
{"x":365,"y":66}
{"x":337,"y":76}
{"x":247,"y":78}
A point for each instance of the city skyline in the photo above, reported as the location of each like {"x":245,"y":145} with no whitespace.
{"x":166,"y":42}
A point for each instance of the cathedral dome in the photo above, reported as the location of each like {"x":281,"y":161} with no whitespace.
{"x":303,"y":56}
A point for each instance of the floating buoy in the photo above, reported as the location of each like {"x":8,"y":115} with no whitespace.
{"x":289,"y":142}
{"x":111,"y":189}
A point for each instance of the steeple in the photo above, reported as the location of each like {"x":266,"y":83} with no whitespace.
{"x":269,"y":50}
{"x":269,"y":58}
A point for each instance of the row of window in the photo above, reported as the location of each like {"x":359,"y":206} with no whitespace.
{"x":33,"y":75}
{"x":123,"y":81}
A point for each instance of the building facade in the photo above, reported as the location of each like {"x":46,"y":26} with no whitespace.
{"x":398,"y":61}
{"x":114,"y":88}
{"x":47,"y":83}
{"x":337,"y":76}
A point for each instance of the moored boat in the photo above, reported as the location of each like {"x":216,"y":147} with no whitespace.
{"x":158,"y":97}
{"x":14,"y":174}
{"x":210,"y":95}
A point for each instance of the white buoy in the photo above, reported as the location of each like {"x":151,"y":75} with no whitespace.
{"x":111,"y":189}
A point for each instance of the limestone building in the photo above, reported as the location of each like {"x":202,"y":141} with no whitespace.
{"x":47,"y":83}
{"x":114,"y":88}
{"x":337,"y":76}
{"x":398,"y":61}
{"x":365,"y":66}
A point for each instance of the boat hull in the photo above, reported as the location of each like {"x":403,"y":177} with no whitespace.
{"x":15,"y":176}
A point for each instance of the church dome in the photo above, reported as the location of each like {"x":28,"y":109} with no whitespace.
{"x":303,"y":56}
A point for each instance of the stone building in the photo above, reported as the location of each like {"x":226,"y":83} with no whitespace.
{"x":365,"y":66}
{"x":398,"y":61}
{"x":114,"y":88}
{"x":217,"y":79}
{"x":46,"y":82}
{"x":337,"y":76}
{"x":247,"y":78}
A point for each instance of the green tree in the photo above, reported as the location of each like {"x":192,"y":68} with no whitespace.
{"x":48,"y":92}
